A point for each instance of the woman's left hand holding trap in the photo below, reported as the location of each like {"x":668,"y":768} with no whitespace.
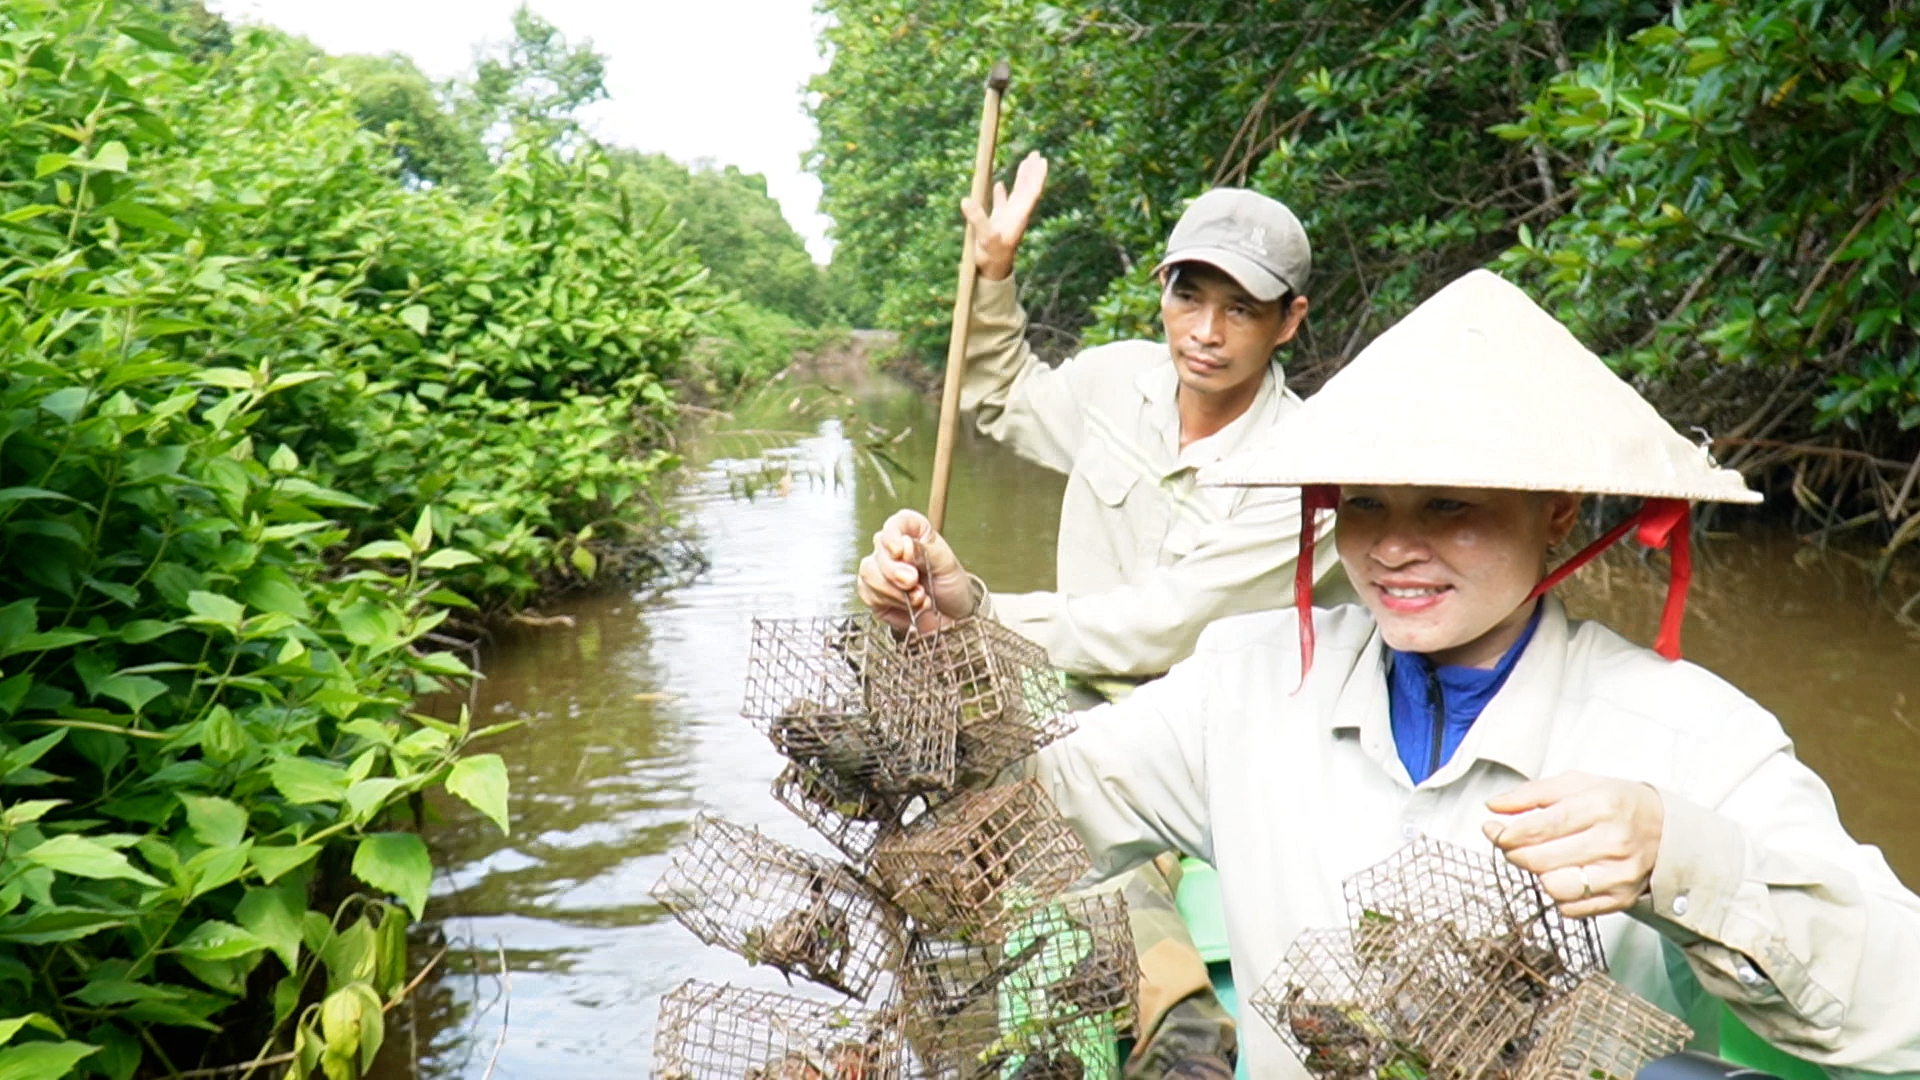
{"x":1592,"y":840}
{"x":913,"y":577}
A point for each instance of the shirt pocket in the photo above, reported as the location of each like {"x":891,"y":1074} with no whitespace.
{"x":1109,"y":478}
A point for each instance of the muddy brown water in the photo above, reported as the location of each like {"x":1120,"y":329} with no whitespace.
{"x":632,"y":727}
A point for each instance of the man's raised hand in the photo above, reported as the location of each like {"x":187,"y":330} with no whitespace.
{"x":997,"y":236}
{"x":891,"y":580}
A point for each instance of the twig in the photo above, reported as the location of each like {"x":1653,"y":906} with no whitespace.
{"x":1873,"y":211}
{"x":1906,"y":487}
{"x":506,"y":1007}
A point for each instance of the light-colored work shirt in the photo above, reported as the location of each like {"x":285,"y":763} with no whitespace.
{"x":1146,"y":557}
{"x":1805,"y":933}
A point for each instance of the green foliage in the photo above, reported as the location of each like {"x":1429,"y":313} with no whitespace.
{"x":1757,"y":216}
{"x":271,"y":409}
{"x":729,"y":221}
{"x":1721,"y":197}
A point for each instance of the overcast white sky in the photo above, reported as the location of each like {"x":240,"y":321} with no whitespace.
{"x":717,"y":79}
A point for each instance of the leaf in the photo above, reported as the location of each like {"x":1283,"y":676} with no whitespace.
{"x":9,"y":496}
{"x":273,"y":916}
{"x":45,"y":925}
{"x":230,"y":378}
{"x":142,"y":216}
{"x":215,"y":867}
{"x":448,"y":559}
{"x":276,"y":862}
{"x":111,"y":157}
{"x":584,"y":562}
{"x":371,"y":625}
{"x":216,"y":609}
{"x":143,"y":630}
{"x":66,"y":404}
{"x":42,"y":1060}
{"x":269,"y":588}
{"x":396,"y":862}
{"x":22,"y":812}
{"x":152,"y":39}
{"x":217,"y":940}
{"x":133,"y":691}
{"x":305,"y":780}
{"x":416,"y":316}
{"x":12,"y":1025}
{"x":82,"y":857}
{"x":214,"y":821}
{"x":482,"y":781}
{"x":382,"y":549}
{"x":48,"y":164}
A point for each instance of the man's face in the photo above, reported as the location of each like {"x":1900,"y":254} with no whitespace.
{"x":1221,"y":338}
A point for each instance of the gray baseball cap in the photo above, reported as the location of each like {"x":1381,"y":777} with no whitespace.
{"x":1253,"y":239}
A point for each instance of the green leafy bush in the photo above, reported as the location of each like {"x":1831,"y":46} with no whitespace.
{"x":270,"y":410}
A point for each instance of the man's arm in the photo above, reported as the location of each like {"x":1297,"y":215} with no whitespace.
{"x":1017,"y":399}
{"x":1242,"y":563}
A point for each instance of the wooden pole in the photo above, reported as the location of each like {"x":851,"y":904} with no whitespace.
{"x":963,"y":300}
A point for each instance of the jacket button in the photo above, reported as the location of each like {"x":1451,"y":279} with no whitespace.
{"x":1680,"y":904}
{"x":1747,"y":973}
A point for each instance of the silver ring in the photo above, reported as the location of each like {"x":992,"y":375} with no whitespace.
{"x":1586,"y":887}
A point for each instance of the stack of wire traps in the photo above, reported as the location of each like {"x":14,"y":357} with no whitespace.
{"x":709,"y":1032}
{"x":1454,"y":966}
{"x":953,"y":883}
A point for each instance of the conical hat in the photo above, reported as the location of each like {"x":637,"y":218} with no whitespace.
{"x":1480,"y":387}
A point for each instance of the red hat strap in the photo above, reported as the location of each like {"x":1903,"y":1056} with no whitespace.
{"x":1313,"y":498}
{"x":1659,"y":523}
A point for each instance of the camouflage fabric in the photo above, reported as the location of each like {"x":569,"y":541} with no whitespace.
{"x":1180,"y":1018}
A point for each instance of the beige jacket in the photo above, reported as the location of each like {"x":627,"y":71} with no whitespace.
{"x":1146,"y":557}
{"x":1804,"y":932}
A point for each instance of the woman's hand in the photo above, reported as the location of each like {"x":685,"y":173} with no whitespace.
{"x":1590,"y":839}
{"x":913,"y":577}
{"x":996,"y":237}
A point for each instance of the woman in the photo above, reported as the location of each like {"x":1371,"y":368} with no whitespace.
{"x":1461,"y":702}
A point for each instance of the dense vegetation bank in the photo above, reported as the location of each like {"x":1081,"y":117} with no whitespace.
{"x":1721,"y":197}
{"x":298,"y":357}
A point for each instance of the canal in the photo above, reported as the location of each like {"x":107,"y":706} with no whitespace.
{"x":631,"y":708}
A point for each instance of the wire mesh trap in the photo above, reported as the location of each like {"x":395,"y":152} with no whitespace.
{"x":1512,"y":925}
{"x":853,"y":820}
{"x":1048,"y":1000}
{"x":969,"y":866}
{"x":1404,"y":1001}
{"x":1601,"y":1031}
{"x":797,"y":913}
{"x":709,"y":1032}
{"x":1011,"y":699}
{"x":1448,"y":966}
{"x":837,"y":696}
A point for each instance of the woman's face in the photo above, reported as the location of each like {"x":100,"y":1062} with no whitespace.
{"x":1446,"y":571}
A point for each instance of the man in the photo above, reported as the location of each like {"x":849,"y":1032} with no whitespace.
{"x":1146,"y":558}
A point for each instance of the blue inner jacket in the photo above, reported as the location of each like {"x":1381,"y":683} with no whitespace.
{"x":1433,"y":706}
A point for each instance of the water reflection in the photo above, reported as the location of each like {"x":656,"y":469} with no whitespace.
{"x":632,"y":728}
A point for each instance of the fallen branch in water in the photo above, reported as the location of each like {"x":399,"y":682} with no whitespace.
{"x":506,"y":1008}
